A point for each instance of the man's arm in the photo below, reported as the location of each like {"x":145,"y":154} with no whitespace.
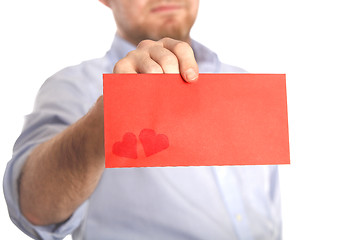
{"x":62,"y":173}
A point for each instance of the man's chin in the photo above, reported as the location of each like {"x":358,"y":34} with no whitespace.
{"x":174,"y":33}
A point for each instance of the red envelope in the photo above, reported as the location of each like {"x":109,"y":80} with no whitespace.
{"x":157,"y":120}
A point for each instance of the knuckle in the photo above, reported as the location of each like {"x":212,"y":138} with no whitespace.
{"x":136,"y":55}
{"x":121,"y":65}
{"x":145,"y":43}
{"x":131,"y":54}
{"x":181,"y":47}
{"x":151,"y":68}
{"x":117,"y":69}
{"x":166,"y":39}
{"x":168,"y":59}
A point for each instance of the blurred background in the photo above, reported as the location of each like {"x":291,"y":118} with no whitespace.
{"x":315,"y":42}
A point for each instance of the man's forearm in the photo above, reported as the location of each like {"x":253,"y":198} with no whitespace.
{"x":61,"y":173}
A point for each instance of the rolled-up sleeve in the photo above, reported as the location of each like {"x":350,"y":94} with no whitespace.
{"x":11,"y":178}
{"x":60,"y":102}
{"x":58,"y":231}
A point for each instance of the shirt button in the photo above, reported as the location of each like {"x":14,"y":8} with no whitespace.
{"x":238,"y":217}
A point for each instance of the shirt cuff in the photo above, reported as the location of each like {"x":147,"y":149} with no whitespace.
{"x":54,"y":231}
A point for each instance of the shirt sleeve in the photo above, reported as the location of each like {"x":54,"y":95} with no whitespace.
{"x":60,"y":102}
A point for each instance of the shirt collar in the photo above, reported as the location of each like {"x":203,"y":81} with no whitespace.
{"x":119,"y":49}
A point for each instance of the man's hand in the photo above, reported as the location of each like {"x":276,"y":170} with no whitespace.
{"x":50,"y":193}
{"x":163,"y":56}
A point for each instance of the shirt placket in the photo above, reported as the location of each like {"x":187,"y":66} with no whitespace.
{"x":230,"y":190}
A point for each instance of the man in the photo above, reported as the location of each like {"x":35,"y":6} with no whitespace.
{"x":56,"y":183}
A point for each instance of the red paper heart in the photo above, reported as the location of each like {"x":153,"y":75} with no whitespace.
{"x":152,"y":142}
{"x":126,"y":148}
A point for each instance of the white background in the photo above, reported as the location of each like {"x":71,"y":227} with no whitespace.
{"x":315,"y":42}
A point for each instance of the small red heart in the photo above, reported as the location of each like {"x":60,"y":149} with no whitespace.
{"x":126,"y":148}
{"x":152,"y":142}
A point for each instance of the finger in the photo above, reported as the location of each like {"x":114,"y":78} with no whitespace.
{"x":124,"y":66}
{"x":149,"y":66}
{"x":144,"y":64}
{"x":189,"y":69}
{"x":165,"y":58}
{"x":137,"y":61}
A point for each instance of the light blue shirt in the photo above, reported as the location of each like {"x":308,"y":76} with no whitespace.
{"x":236,"y":202}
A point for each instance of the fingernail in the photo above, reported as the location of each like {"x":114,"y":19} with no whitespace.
{"x":190,"y":75}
